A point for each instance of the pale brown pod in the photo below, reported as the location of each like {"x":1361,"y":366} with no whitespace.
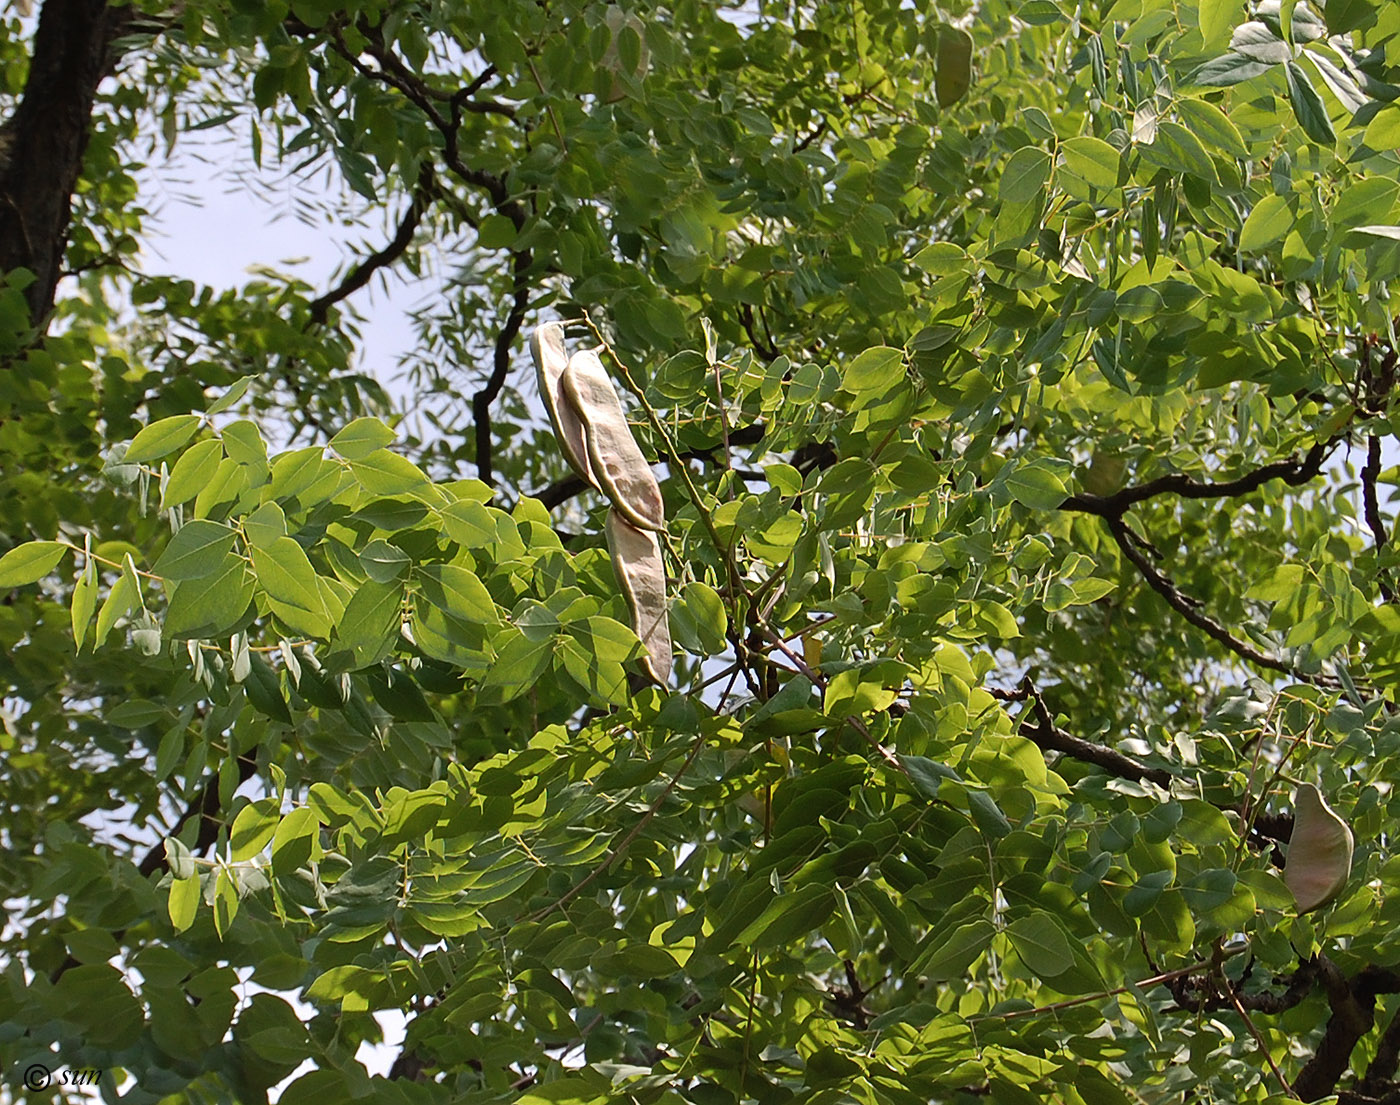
{"x":1319,"y":851}
{"x":636,"y":557}
{"x":614,"y":458}
{"x":551,"y":359}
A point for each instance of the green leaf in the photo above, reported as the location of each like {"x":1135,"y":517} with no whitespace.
{"x":1212,"y":126}
{"x":295,"y":840}
{"x":1215,"y":18}
{"x":1092,"y":160}
{"x":699,"y":619}
{"x":264,"y":690}
{"x":1383,"y":131}
{"x":1042,"y":944}
{"x":1229,"y":68}
{"x":253,"y":829}
{"x":294,"y":594}
{"x":1345,"y":16}
{"x":370,"y":625}
{"x":384,"y":473}
{"x":361,"y":438}
{"x":928,"y":775}
{"x":1040,"y":13}
{"x":225,"y":902}
{"x":179,"y":858}
{"x":953,"y":65}
{"x":1269,"y":222}
{"x":236,"y":391}
{"x":877,"y":369}
{"x":1308,"y":106}
{"x":383,"y":562}
{"x":458,"y":592}
{"x":410,"y":816}
{"x":948,"y":959}
{"x":124,"y":596}
{"x":265,"y":525}
{"x":192,"y":472}
{"x":84,"y":602}
{"x":184,"y":902}
{"x":1035,"y":486}
{"x":161,"y":438}
{"x":1025,"y":175}
{"x":30,"y":562}
{"x":520,"y":662}
{"x":212,"y":605}
{"x":1391,"y":232}
{"x":197,"y":550}
{"x":987,"y":814}
{"x":495,"y":232}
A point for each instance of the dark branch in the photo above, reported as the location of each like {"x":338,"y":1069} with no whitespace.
{"x":42,"y":143}
{"x":1187,"y":607}
{"x":1353,"y":1004}
{"x":766,"y":347}
{"x":1370,"y":472}
{"x":1381,"y":1071}
{"x":482,"y":400}
{"x":810,"y":137}
{"x":1039,"y":727}
{"x":1292,"y":472}
{"x":360,"y":275}
{"x":204,"y":806}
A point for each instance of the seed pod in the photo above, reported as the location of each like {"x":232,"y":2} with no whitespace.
{"x":636,"y":557}
{"x":1319,"y":851}
{"x":551,"y":359}
{"x":614,"y":458}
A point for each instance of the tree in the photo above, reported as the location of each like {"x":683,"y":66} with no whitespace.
{"x":1019,"y":377}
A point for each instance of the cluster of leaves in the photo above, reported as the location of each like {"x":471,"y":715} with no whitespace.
{"x":1005,"y":363}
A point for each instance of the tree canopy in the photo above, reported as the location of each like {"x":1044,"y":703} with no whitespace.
{"x":1018,"y":379}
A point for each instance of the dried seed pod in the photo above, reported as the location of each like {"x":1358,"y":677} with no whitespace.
{"x":551,"y":359}
{"x":636,"y":557}
{"x":614,"y":458}
{"x":1319,"y":851}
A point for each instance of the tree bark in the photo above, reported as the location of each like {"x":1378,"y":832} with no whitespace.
{"x":43,"y":141}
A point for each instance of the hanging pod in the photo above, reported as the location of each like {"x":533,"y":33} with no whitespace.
{"x":597,"y":441}
{"x":614,"y":457}
{"x":636,"y":557}
{"x":551,"y":359}
{"x":1319,"y":851}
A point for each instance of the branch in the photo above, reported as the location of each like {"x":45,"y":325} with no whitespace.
{"x":482,"y":400}
{"x":1353,"y":1006}
{"x":1187,"y":606}
{"x":43,"y":141}
{"x":1370,"y":472}
{"x":766,"y":347}
{"x":1381,"y":1071}
{"x":205,"y":806}
{"x":360,"y":275}
{"x":1049,"y":738}
{"x":1292,"y":472}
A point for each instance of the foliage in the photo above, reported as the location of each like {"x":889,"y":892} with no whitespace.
{"x":1007,"y":364}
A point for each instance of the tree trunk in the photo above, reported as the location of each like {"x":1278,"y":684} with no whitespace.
{"x":44,"y":140}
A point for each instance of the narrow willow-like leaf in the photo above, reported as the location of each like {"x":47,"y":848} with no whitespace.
{"x":636,"y":557}
{"x":551,"y":359}
{"x":1319,"y":851}
{"x":613,"y":455}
